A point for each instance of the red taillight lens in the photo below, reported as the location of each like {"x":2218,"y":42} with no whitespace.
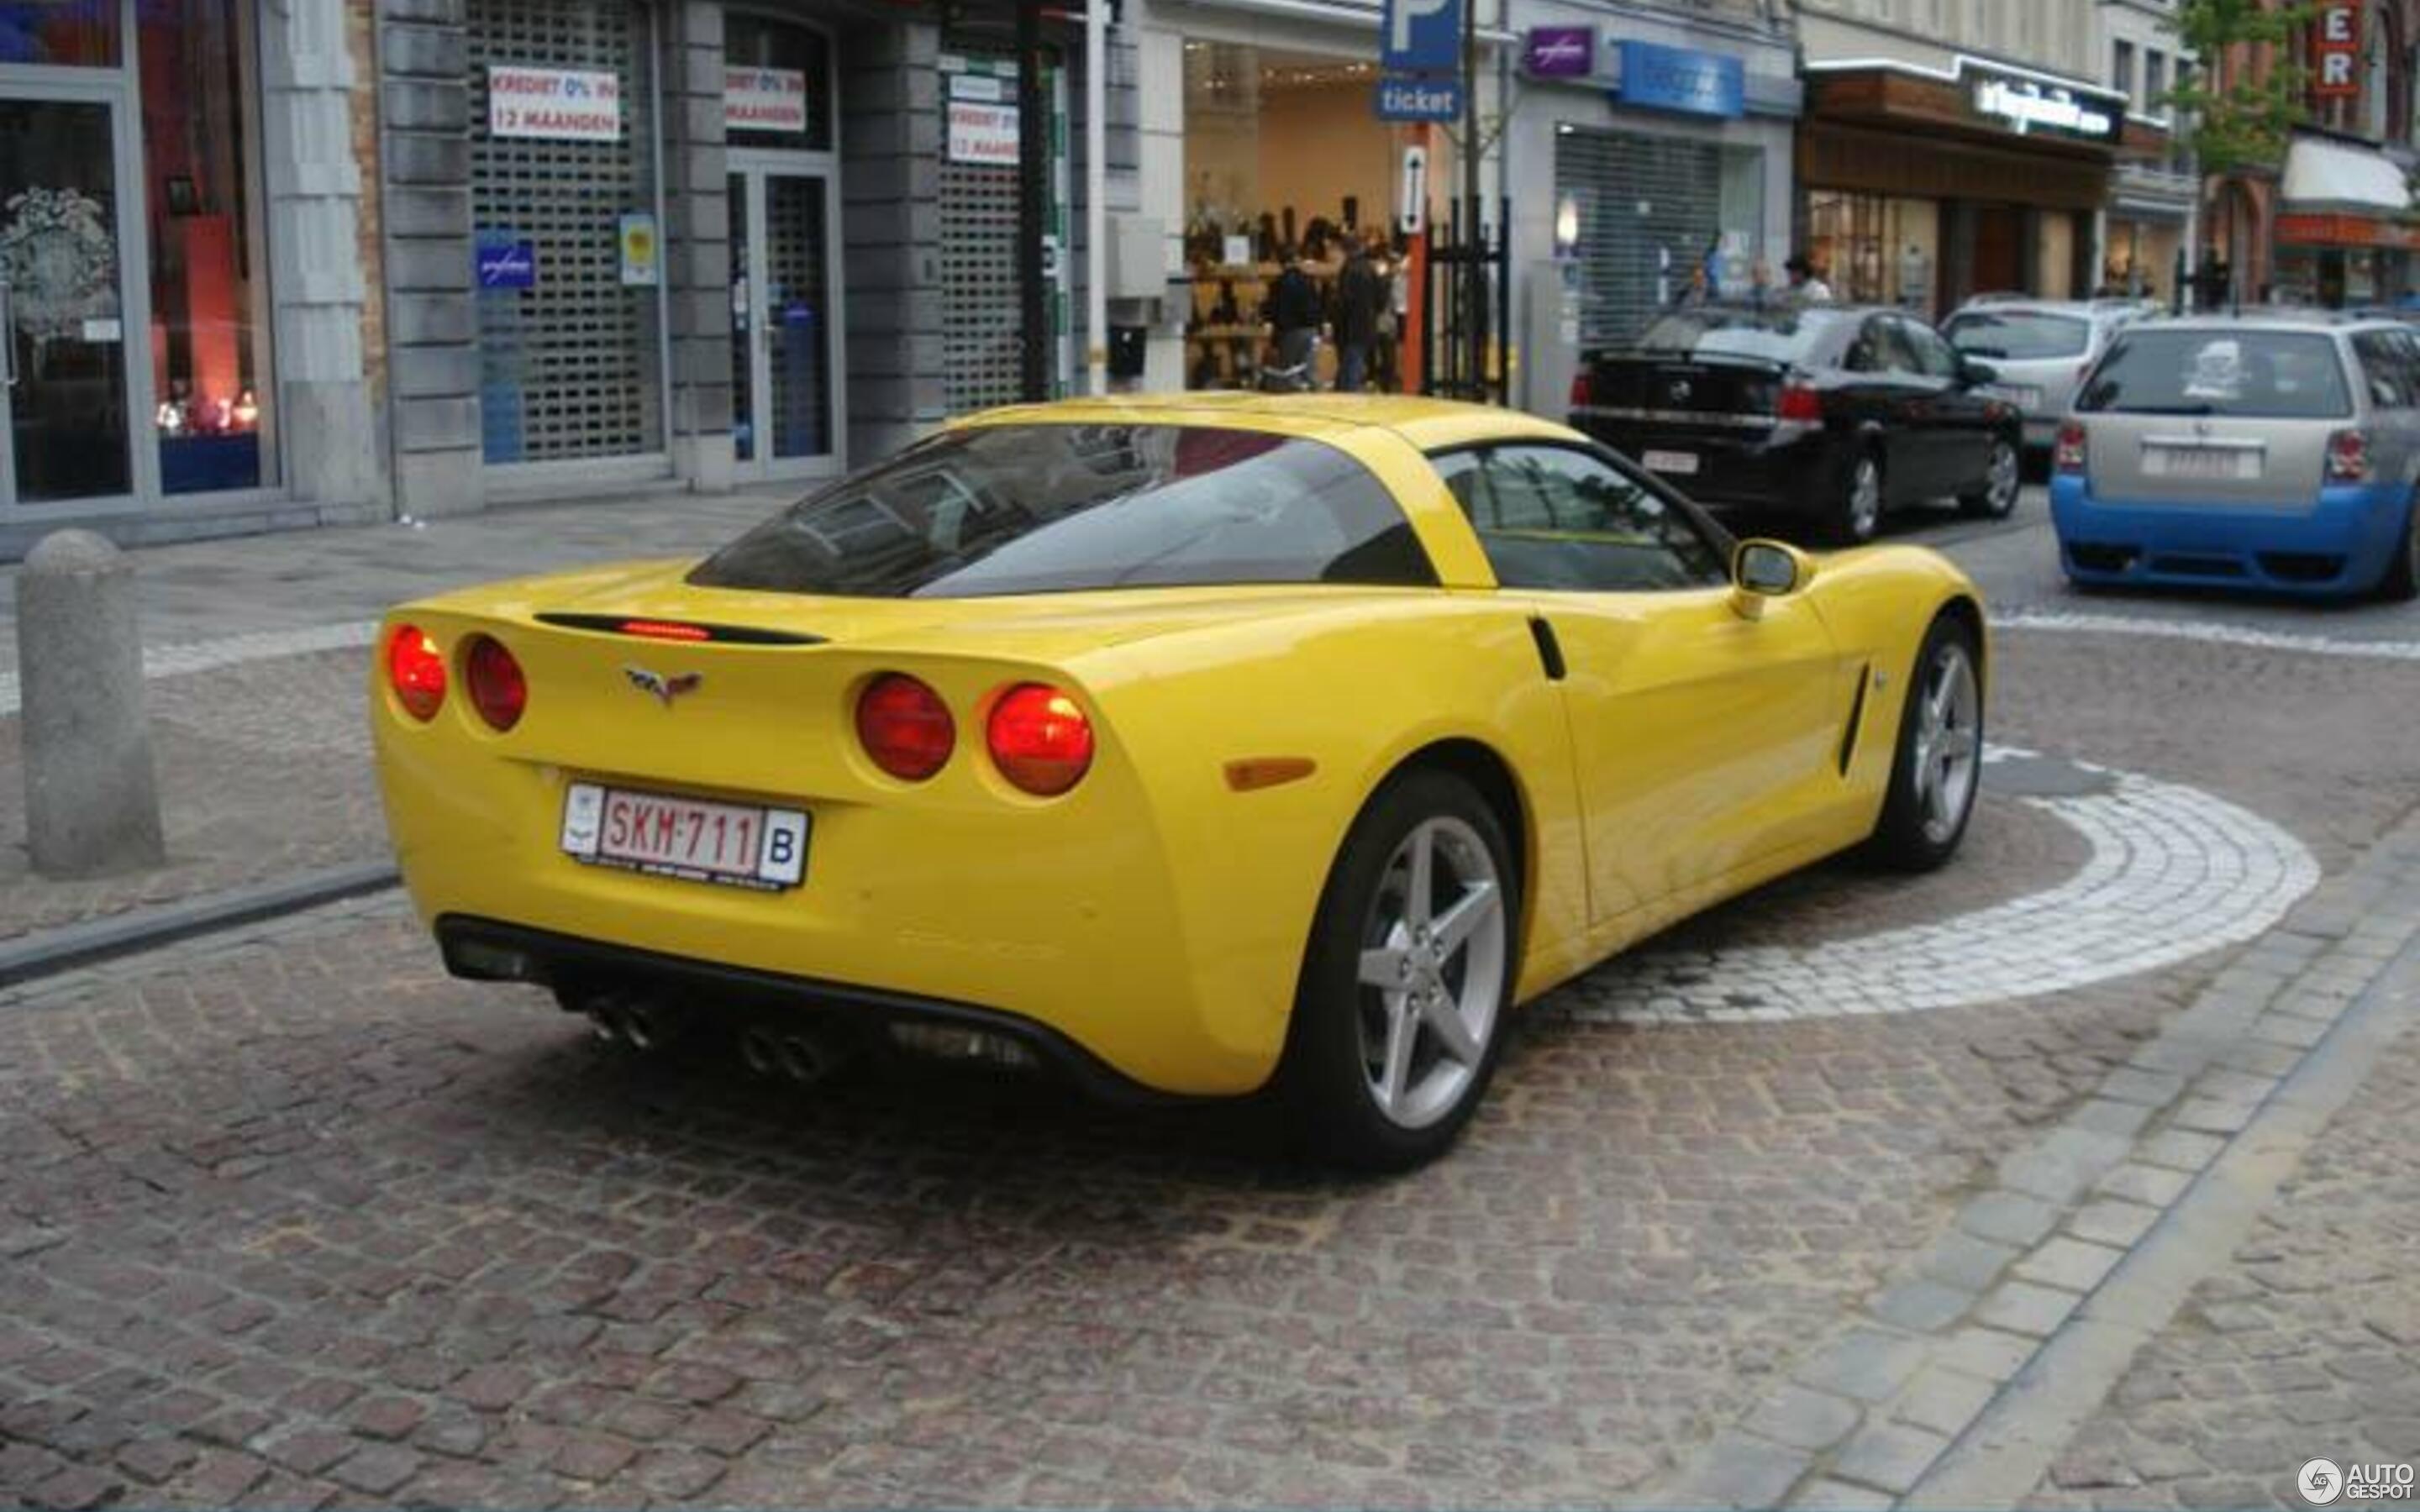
{"x":1582,"y":393}
{"x":2349,"y":457}
{"x":2070,"y":455}
{"x":1040,"y":739}
{"x":904,"y":726}
{"x":498,"y":689}
{"x":1799,"y":402}
{"x":666,"y":630}
{"x":416,"y":670}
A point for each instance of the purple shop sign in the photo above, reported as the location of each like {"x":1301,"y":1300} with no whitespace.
{"x":507,"y":265}
{"x":1560,"y":53}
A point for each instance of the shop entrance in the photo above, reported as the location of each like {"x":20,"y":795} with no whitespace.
{"x":69,"y":395}
{"x":785,"y":326}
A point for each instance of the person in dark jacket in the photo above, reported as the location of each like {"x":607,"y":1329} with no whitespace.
{"x":1360,"y":300}
{"x":1294,"y":310}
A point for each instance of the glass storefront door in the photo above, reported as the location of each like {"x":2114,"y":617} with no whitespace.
{"x":785,"y":326}
{"x":63,"y":296}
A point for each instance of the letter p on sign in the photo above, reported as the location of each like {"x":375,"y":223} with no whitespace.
{"x":1423,"y":35}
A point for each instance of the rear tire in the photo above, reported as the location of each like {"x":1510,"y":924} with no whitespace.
{"x":1857,"y":514}
{"x":1938,"y":765}
{"x":2401,"y":582}
{"x":2003,"y":476}
{"x":1401,"y":1013}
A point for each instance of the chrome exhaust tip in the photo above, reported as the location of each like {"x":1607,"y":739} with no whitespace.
{"x":762,"y":1051}
{"x":648,"y":1027}
{"x":804,"y":1060}
{"x":605,"y":1021}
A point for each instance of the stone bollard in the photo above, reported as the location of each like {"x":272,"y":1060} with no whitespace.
{"x":92,"y":797}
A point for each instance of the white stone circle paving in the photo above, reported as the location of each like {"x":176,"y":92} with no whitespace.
{"x":2174,"y":871}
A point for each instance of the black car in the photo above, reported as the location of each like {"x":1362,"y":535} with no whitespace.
{"x":1831,"y":413}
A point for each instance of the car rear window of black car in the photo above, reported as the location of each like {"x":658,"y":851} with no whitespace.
{"x":2249,"y":374}
{"x":1788,"y":336}
{"x":2018,"y":335}
{"x":1027,"y":508}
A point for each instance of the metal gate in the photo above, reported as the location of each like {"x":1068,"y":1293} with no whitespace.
{"x":1650,"y":207}
{"x":1458,"y":361}
{"x":982,"y":349}
{"x":570,"y":366}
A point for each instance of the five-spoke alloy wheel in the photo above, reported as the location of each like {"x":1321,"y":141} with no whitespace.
{"x":1400,"y":1012}
{"x":1939,"y":761}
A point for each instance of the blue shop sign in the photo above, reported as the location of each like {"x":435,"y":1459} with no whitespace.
{"x":507,"y":265}
{"x":1681,"y":79}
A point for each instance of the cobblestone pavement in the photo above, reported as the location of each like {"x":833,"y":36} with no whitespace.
{"x":2304,"y":1345}
{"x":263,"y":774}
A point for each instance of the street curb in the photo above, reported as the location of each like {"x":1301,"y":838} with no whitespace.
{"x":55,"y":951}
{"x":1952,"y":1382}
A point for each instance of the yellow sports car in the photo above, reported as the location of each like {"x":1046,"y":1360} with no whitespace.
{"x":1189,"y":746}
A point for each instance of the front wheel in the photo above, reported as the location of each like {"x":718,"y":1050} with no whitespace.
{"x":2002,"y":477}
{"x":1939,"y":761}
{"x":1399,"y":1018}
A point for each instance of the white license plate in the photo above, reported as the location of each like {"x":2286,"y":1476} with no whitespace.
{"x":1683,"y":464}
{"x":2024,"y":398}
{"x":2219,"y":463}
{"x":738,"y":845}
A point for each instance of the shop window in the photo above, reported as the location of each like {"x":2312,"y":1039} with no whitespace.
{"x":209,"y":324}
{"x":777,"y":84}
{"x":62,"y":33}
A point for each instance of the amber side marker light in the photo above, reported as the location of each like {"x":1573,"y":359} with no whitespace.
{"x":1258,"y":772}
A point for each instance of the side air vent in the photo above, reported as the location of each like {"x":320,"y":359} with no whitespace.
{"x":1857,"y":718}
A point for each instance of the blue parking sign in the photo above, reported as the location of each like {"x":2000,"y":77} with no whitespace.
{"x":1421,"y":35}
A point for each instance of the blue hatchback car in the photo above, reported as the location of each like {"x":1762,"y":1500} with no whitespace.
{"x":2267,"y":452}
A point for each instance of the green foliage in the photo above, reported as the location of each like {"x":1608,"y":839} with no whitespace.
{"x":2229,"y":122}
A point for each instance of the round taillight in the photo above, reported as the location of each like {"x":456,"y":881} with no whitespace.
{"x":1040,"y":739}
{"x":904,"y":726}
{"x":498,"y":689}
{"x":416,"y":670}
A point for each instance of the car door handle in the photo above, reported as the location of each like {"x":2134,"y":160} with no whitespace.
{"x":1550,"y":649}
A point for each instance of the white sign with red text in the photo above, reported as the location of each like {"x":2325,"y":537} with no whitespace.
{"x":563,"y":104}
{"x":763,"y":100}
{"x":983,"y":133}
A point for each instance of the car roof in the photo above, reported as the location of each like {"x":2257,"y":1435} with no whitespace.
{"x":2309,"y":323}
{"x":1425,"y":422}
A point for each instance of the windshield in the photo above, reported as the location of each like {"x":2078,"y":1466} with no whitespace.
{"x":1042,"y":508}
{"x":2018,"y":335}
{"x":1774,"y":335}
{"x":2254,"y":374}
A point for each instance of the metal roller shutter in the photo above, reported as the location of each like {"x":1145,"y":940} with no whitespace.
{"x":981,"y":348}
{"x":571,"y":367}
{"x":1642,"y":199}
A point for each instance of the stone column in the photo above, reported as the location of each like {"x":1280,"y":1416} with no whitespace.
{"x":1160,"y":131}
{"x":322,"y":408}
{"x":891,"y":232}
{"x":432,"y":321}
{"x":698,"y":240}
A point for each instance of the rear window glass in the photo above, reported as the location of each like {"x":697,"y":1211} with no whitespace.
{"x":2255,"y":373}
{"x":2019,"y":335}
{"x":1054,"y":508}
{"x":1775,"y":335}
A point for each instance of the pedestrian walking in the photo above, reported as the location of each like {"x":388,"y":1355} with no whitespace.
{"x":1806,"y":287}
{"x":1361,"y":299}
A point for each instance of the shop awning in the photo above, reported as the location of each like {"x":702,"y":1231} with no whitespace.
{"x":2324,"y":176}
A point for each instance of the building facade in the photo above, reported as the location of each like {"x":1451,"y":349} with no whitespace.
{"x":1953,"y":147}
{"x":1649,"y":149}
{"x":2150,"y":234}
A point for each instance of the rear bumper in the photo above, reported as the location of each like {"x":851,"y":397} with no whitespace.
{"x":2337,"y":547}
{"x":1795,"y":473}
{"x":487,"y":950}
